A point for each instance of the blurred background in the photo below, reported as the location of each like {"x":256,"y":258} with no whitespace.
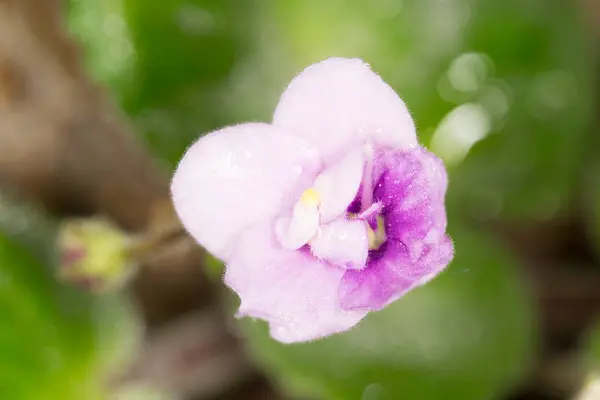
{"x":102,"y":294}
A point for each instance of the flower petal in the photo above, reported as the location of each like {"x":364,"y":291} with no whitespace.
{"x":339,"y":103}
{"x":295,"y":232}
{"x":292,"y":290}
{"x":338,"y":185}
{"x":392,"y":274}
{"x":372,"y":288}
{"x":234,"y":177}
{"x":411,"y":186}
{"x":343,"y":243}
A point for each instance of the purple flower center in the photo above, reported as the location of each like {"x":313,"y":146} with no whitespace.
{"x":375,"y":217}
{"x":370,"y":207}
{"x":409,"y":188}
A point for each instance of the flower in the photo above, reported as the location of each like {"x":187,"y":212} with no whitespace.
{"x":328,"y":213}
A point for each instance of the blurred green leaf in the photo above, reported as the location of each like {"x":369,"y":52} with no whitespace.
{"x":105,"y":37}
{"x":167,"y":61}
{"x":531,"y":165}
{"x":55,"y":342}
{"x":506,"y":84}
{"x":466,"y":335}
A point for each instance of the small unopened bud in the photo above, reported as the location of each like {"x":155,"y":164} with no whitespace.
{"x":94,"y":254}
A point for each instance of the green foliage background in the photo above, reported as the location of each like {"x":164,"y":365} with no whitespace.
{"x":521,"y":69}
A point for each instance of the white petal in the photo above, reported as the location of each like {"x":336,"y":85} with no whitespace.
{"x":339,"y":103}
{"x":338,"y":185}
{"x":237,"y":176}
{"x":292,"y":290}
{"x":343,"y":243}
{"x":296,"y":231}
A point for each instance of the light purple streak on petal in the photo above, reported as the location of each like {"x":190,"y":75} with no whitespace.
{"x":292,"y":290}
{"x":237,"y":176}
{"x":340,"y":103}
{"x":373,"y":210}
{"x":411,"y":186}
{"x":338,"y":185}
{"x":343,"y":243}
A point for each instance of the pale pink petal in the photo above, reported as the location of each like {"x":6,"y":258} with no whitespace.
{"x":293,"y":233}
{"x":292,"y":290}
{"x":338,"y":185}
{"x":343,"y":243}
{"x":339,"y":103}
{"x":237,"y":176}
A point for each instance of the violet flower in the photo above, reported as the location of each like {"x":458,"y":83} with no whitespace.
{"x":328,"y":213}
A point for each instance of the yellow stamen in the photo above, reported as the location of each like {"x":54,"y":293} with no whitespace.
{"x":310,"y":197}
{"x":371,"y":237}
{"x":376,"y":238}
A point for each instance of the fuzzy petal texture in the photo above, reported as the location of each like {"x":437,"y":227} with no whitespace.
{"x":343,"y":243}
{"x":238,"y":176}
{"x":340,"y":103}
{"x":391,"y":275}
{"x":293,"y":291}
{"x":411,"y":187}
{"x":338,"y":185}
